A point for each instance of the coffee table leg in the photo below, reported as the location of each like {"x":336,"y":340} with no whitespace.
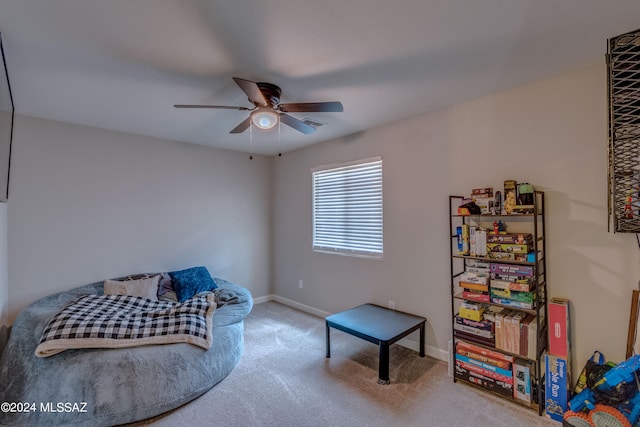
{"x":328,"y":341}
{"x":422,"y":340}
{"x":383,"y":367}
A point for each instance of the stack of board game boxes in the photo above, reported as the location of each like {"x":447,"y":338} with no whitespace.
{"x":509,"y":246}
{"x":479,"y":324}
{"x":510,"y":285}
{"x":495,"y":245}
{"x":500,"y":373}
{"x":470,"y":322}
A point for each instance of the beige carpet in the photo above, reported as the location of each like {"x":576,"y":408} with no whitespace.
{"x":285,"y":380}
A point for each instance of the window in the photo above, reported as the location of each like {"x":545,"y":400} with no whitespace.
{"x":347,"y":208}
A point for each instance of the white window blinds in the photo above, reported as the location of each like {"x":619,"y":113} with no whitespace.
{"x":347,"y":208}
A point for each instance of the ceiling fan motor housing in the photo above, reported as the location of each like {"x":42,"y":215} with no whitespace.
{"x":271,"y":92}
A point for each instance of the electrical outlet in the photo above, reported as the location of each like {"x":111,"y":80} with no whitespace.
{"x":392,"y":304}
{"x":300,"y":284}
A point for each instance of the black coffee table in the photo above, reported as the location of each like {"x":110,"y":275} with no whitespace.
{"x":378,"y":325}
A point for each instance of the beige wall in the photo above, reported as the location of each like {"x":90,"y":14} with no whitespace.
{"x":89,"y":204}
{"x":552,"y":133}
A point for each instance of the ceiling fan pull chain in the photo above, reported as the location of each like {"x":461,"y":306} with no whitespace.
{"x":279,"y":139}
{"x":251,"y":141}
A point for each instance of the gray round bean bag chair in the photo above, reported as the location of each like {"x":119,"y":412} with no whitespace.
{"x":105,"y":387}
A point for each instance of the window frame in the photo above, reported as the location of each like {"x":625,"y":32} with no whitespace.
{"x":350,"y":247}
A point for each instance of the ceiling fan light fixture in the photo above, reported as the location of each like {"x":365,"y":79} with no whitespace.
{"x":264,"y":118}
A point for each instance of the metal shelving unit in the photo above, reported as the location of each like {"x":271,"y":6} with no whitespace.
{"x":534,"y":222}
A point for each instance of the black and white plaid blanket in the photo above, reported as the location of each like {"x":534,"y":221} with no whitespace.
{"x":115,"y":321}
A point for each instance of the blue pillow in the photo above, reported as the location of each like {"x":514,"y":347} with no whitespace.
{"x":190,"y":282}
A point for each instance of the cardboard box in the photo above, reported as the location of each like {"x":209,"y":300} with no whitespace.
{"x":468,"y":347}
{"x":531,"y":256}
{"x":510,"y":238}
{"x":559,"y":342}
{"x":474,"y":295}
{"x":474,"y":286}
{"x":532,"y":339}
{"x":462,"y":236}
{"x":485,"y":325}
{"x":489,"y":342}
{"x":472,"y":241}
{"x":473,"y":331}
{"x":512,"y":269}
{"x":470,"y":314}
{"x":513,"y":285}
{"x":469,"y":277}
{"x":499,"y":328}
{"x":524,"y":209}
{"x":510,"y":303}
{"x":477,"y":263}
{"x":486,"y":372}
{"x":523,"y":345}
{"x":522,"y":380}
{"x":510,"y":186}
{"x":482,"y":192}
{"x":481,"y":243}
{"x":501,"y":387}
{"x":488,"y":356}
{"x":506,"y":373}
{"x":477,"y":270}
{"x":484,"y":203}
{"x":512,"y":331}
{"x":527,"y":297}
{"x":509,"y":248}
{"x":558,"y":386}
{"x":507,"y":256}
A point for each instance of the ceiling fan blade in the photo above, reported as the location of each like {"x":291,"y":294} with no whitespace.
{"x":252,"y":90}
{"x":312,"y":107}
{"x":244,"y":125}
{"x":298,"y":125}
{"x":225,"y":107}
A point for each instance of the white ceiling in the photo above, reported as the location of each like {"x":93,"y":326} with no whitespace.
{"x":122,"y":64}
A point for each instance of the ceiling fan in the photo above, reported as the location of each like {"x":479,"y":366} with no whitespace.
{"x":267,"y":110}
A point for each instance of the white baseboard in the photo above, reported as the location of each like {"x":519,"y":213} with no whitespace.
{"x":435,"y":352}
{"x":301,"y":307}
{"x":265,"y":298}
{"x":431,"y":351}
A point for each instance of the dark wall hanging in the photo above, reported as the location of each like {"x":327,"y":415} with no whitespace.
{"x":623,"y":86}
{"x":6,"y":125}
